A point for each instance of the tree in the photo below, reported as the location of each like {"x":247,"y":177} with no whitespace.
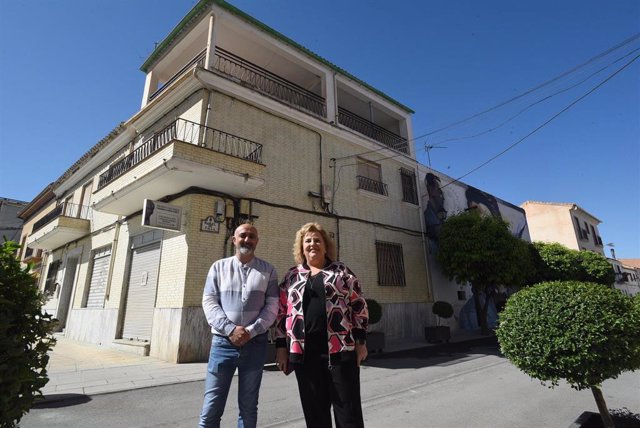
{"x":559,"y":263}
{"x":25,"y":338}
{"x":481,"y":250}
{"x":582,"y":332}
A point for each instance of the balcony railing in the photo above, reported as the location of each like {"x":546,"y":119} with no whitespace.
{"x":63,"y":210}
{"x":370,"y":185}
{"x":199,"y":60}
{"x":371,"y":130}
{"x":267,"y":83}
{"x":187,"y":132}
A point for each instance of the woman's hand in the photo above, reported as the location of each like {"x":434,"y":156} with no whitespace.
{"x":361,"y":353}
{"x":282,"y":360}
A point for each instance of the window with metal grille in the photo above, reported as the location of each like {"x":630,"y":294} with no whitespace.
{"x":390,"y":264}
{"x":370,"y":177}
{"x":409,"y":192}
{"x":50,"y":283}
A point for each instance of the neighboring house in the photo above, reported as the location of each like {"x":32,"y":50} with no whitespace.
{"x":441,"y":197}
{"x":627,"y":275}
{"x":10,"y":223}
{"x":238,"y":122}
{"x":565,"y":223}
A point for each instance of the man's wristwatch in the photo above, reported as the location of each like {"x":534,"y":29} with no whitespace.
{"x":361,"y":341}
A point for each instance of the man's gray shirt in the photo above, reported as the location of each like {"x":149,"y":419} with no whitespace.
{"x":240,"y":295}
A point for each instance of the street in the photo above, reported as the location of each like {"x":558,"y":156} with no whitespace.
{"x":467,"y":386}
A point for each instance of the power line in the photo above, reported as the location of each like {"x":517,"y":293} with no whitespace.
{"x":576,"y":101}
{"x":458,"y":122}
{"x":548,"y":97}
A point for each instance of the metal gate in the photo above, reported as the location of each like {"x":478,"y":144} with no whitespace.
{"x":141,"y":292}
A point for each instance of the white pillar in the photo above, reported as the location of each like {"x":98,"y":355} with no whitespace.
{"x":406,"y":131}
{"x":150,"y":86}
{"x":329,"y":87}
{"x":211,"y":44}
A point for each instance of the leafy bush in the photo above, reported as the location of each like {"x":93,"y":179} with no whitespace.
{"x":375,"y":311}
{"x":442,"y":309}
{"x":25,"y":338}
{"x":582,"y":332}
{"x":559,"y":263}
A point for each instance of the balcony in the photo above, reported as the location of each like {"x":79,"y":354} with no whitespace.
{"x":184,"y":154}
{"x":372,"y":186}
{"x":267,"y":83}
{"x":65,"y":223}
{"x":371,"y":130}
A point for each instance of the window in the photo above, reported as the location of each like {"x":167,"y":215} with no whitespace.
{"x":581,"y":233}
{"x":99,"y":277}
{"x":390,"y":264}
{"x":50,"y":283}
{"x":409,"y":193}
{"x":370,"y":177}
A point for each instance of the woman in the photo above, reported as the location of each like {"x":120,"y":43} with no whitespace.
{"x":321,"y":328}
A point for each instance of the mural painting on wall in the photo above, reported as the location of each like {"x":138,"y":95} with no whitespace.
{"x":442,"y":200}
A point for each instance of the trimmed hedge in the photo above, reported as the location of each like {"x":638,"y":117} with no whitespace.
{"x":584,"y":333}
{"x":375,"y":311}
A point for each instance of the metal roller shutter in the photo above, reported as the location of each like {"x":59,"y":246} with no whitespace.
{"x":141,"y":293}
{"x":99,"y":275}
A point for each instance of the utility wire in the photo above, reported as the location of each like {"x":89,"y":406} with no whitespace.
{"x":458,"y":122}
{"x":601,"y":69}
{"x":576,"y":101}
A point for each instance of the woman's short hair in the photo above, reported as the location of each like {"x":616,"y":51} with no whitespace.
{"x":298,"y":252}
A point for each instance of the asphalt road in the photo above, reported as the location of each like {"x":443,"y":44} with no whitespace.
{"x":459,"y":386}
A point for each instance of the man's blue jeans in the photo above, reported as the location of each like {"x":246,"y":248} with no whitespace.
{"x":223,"y":361}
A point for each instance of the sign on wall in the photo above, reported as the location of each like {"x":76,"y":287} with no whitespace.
{"x":161,"y":215}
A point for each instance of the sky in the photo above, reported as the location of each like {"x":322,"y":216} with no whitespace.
{"x":69,"y":73}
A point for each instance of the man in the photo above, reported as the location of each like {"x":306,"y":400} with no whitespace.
{"x":240,"y":302}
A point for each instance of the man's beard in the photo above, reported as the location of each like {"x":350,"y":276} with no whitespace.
{"x":245,"y":250}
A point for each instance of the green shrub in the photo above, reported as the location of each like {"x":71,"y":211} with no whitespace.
{"x":25,"y":338}
{"x":584,"y":333}
{"x":375,"y":311}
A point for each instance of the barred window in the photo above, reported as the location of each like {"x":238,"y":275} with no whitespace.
{"x":390,"y":264}
{"x":50,"y":282}
{"x":409,"y":192}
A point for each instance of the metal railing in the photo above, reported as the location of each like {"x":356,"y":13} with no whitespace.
{"x":370,"y":185}
{"x":371,"y":130}
{"x":197,"y":60}
{"x":187,"y":132}
{"x":63,"y":210}
{"x":267,"y":83}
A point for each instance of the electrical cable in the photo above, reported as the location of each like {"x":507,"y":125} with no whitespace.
{"x":576,"y":101}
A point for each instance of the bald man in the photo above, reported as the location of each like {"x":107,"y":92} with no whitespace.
{"x":240,"y":302}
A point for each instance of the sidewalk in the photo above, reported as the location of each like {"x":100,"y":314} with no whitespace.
{"x":86,"y":369}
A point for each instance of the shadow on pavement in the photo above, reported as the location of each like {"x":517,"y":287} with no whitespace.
{"x":54,"y":401}
{"x":443,"y":354}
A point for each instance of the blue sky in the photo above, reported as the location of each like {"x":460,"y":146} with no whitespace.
{"x":69,"y":73}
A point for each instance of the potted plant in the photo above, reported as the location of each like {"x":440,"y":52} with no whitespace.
{"x":375,"y":339}
{"x":439,"y":333}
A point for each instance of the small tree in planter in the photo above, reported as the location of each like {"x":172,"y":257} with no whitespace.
{"x":584,"y":333}
{"x":439,"y":333}
{"x":375,"y":339}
